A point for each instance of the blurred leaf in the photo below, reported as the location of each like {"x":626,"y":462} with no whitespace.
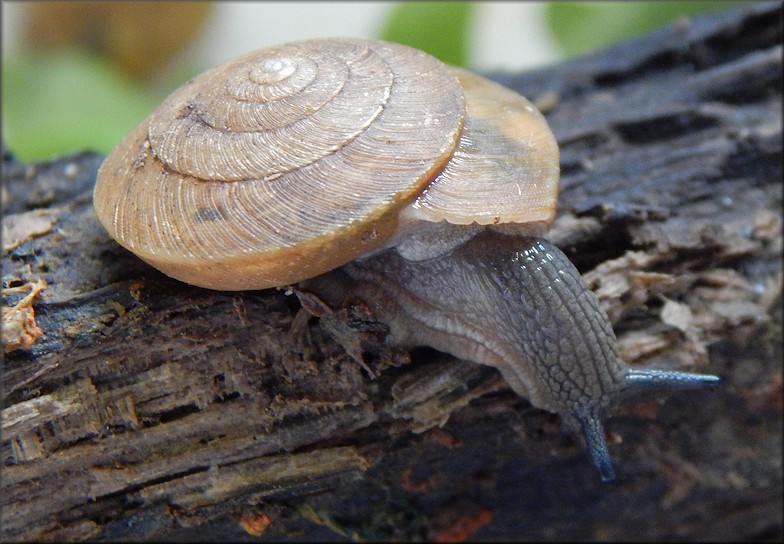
{"x":579,"y":27}
{"x":67,"y":101}
{"x":440,"y":28}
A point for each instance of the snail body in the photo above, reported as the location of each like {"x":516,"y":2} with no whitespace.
{"x":372,"y":167}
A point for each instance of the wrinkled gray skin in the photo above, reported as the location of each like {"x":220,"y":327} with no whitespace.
{"x":517,"y":304}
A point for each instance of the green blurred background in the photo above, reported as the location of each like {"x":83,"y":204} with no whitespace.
{"x":80,"y":75}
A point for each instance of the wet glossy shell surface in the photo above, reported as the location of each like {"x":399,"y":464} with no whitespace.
{"x":506,"y":167}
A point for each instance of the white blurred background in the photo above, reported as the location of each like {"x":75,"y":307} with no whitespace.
{"x":503,"y":35}
{"x":80,"y":75}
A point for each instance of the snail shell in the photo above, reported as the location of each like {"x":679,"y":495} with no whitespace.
{"x":291,"y":161}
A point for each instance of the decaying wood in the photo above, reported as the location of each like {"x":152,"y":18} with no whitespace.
{"x":150,"y":409}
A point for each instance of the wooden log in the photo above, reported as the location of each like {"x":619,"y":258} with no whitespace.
{"x":136,"y":407}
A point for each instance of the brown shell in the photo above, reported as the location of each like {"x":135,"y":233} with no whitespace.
{"x":505,"y":168}
{"x":281,"y":164}
{"x":288,"y":162}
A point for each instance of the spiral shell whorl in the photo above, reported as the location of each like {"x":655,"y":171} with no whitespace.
{"x":267,"y":114}
{"x":312,"y":145}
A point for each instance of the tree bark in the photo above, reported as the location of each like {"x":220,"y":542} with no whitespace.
{"x":137,"y":407}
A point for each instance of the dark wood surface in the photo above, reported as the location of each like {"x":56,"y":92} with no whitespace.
{"x":147,"y":409}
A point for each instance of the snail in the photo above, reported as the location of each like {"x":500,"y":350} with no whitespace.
{"x":360,"y":166}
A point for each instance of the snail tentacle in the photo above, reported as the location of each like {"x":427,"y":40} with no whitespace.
{"x":593,"y":430}
{"x":637,"y":380}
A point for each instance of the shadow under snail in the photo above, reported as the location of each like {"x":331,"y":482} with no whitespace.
{"x":423,"y":187}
